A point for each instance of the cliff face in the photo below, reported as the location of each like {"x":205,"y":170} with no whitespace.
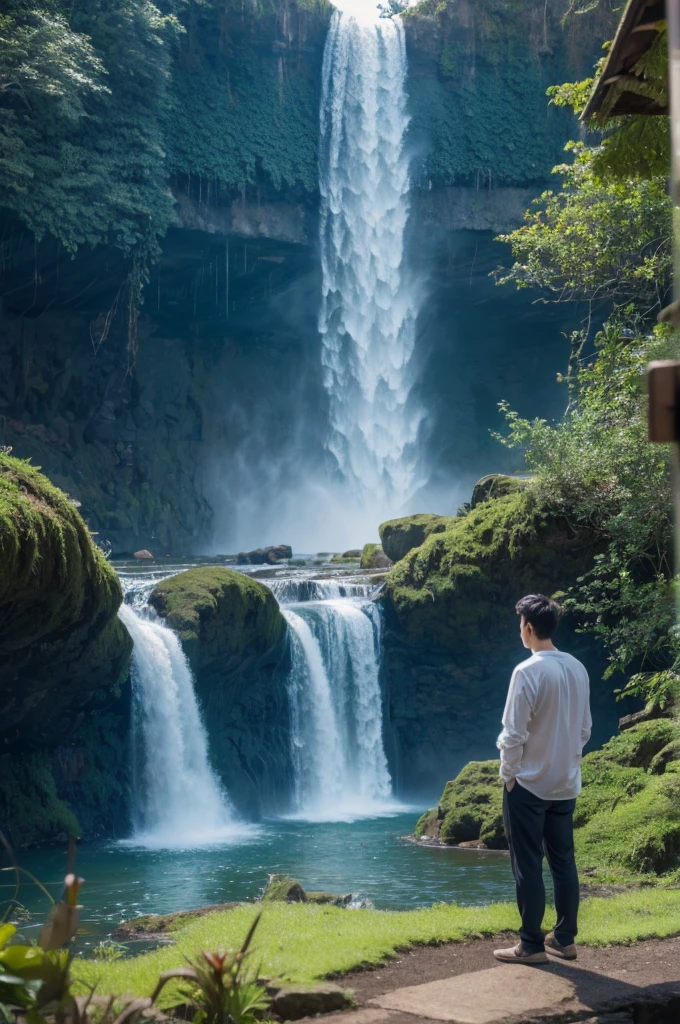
{"x":172,"y":435}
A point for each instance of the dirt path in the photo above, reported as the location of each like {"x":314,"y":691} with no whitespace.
{"x":462,"y":983}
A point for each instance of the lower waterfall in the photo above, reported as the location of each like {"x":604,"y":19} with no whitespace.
{"x":178,"y":800}
{"x":339,"y":765}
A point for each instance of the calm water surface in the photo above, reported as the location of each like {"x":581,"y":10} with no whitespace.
{"x":368,"y":858}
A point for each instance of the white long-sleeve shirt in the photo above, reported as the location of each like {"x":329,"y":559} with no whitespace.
{"x":546,"y":724}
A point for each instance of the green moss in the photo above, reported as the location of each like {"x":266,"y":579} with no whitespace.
{"x":496,"y":485}
{"x":471,"y":805}
{"x":428,"y":824}
{"x":399,"y":536}
{"x":30,"y":808}
{"x":46,"y":549}
{"x":461,"y":585}
{"x":373,"y":557}
{"x":224,"y":618}
{"x":627,"y":820}
{"x":63,"y":653}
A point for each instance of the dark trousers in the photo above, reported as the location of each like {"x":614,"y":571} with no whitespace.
{"x":535,"y":827}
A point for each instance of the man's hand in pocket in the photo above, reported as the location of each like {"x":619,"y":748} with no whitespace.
{"x":510,"y":785}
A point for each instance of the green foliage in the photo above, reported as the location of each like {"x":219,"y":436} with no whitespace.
{"x":596,"y":238}
{"x":597,"y":469}
{"x":237,"y":126}
{"x":103,"y":103}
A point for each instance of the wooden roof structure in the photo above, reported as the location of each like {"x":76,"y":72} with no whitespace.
{"x":635,"y":35}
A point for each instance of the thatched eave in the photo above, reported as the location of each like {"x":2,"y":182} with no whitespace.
{"x":635,"y":35}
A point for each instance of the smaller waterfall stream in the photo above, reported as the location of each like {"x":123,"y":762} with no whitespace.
{"x":178,"y":799}
{"x":339,"y":765}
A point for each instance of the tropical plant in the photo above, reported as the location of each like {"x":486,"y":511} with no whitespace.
{"x":597,"y":237}
{"x":221,"y":988}
{"x":596,"y":469}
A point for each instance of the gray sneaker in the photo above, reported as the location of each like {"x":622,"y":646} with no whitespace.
{"x":554,"y":948}
{"x":518,"y":955}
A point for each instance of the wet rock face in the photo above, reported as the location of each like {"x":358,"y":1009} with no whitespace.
{"x":235,"y":638}
{"x":64,"y":662}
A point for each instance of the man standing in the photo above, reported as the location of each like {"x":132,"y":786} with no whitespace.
{"x":546,"y":724}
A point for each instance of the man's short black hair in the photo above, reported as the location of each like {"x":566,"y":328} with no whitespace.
{"x":541,"y":612}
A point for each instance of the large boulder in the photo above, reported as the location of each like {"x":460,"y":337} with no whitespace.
{"x":226,"y":621}
{"x":399,"y":536}
{"x":495,"y":485}
{"x":64,"y":661}
{"x":452,"y":635}
{"x":235,"y":638}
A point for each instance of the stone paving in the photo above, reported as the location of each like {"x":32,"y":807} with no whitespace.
{"x":638,"y":984}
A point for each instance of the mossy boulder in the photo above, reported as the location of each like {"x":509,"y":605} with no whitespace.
{"x":373,"y":557}
{"x":64,"y":663}
{"x":236,"y":640}
{"x":495,"y":485}
{"x":470,"y":808}
{"x":452,"y":635}
{"x":627,"y":818}
{"x":225,"y":620}
{"x":399,"y":536}
{"x":283,"y":889}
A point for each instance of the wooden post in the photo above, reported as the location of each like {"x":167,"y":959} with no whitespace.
{"x":664,"y":377}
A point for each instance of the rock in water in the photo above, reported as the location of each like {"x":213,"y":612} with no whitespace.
{"x":225,"y":620}
{"x":265,"y":556}
{"x":144,"y":555}
{"x":373,"y":557}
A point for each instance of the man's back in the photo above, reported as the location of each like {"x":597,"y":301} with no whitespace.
{"x":547,"y":714}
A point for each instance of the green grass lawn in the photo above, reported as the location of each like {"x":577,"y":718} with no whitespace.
{"x":304,"y":943}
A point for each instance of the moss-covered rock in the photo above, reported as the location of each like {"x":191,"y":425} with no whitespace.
{"x":225,"y":620}
{"x":373,"y":557}
{"x":495,"y":485}
{"x":627,"y":818}
{"x":61,"y":642}
{"x":64,"y":663}
{"x":452,"y":635}
{"x":399,"y":536}
{"x":471,"y":807}
{"x":284,"y":889}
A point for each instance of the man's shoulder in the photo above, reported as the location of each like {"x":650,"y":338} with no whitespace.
{"x":526,"y":664}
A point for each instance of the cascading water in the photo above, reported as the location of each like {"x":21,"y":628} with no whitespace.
{"x":339,"y":766}
{"x":178,"y":799}
{"x":369,"y":303}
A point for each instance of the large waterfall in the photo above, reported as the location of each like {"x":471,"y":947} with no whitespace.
{"x":178,"y":800}
{"x":339,"y":764}
{"x":369,"y":302}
